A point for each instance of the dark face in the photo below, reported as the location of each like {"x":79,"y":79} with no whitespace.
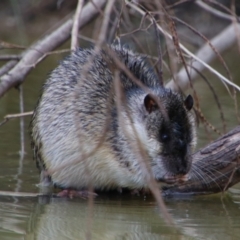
{"x":171,"y":125}
{"x":175,"y":136}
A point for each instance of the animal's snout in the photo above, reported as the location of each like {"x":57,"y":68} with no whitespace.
{"x":182,"y":165}
{"x":182,"y":169}
{"x":182,"y":160}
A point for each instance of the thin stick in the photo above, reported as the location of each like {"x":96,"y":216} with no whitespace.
{"x":21,"y":194}
{"x":185,"y":82}
{"x":101,"y":39}
{"x":18,"y":73}
{"x":141,"y":152}
{"x":21,"y":108}
{"x":215,"y":97}
{"x":207,"y":42}
{"x":106,"y":19}
{"x":76,"y":22}
{"x":159,"y":62}
{"x":215,"y":11}
{"x":17,"y":115}
{"x":7,"y":45}
{"x":8,"y":57}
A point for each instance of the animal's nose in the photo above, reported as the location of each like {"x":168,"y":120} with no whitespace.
{"x":183,"y":164}
{"x":182,"y":169}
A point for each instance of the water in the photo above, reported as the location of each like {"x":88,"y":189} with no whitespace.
{"x":118,"y":218}
{"x":112,"y":216}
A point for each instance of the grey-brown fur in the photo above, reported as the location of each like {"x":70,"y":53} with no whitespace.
{"x":70,"y":118}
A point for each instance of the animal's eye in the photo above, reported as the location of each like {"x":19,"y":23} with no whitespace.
{"x":164,"y":137}
{"x":164,"y":133}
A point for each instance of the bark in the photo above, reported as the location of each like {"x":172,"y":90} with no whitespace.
{"x":215,"y":168}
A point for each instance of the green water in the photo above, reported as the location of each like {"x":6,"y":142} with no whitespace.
{"x":118,"y":218}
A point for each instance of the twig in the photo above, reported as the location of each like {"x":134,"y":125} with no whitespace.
{"x":202,"y":57}
{"x":222,"y":6}
{"x":17,"y":115}
{"x":88,"y":39}
{"x":6,"y":45}
{"x":215,"y":11}
{"x":50,"y":53}
{"x":177,"y":3}
{"x":74,"y":39}
{"x":107,"y":12}
{"x":221,"y":42}
{"x":235,"y":23}
{"x":141,"y":152}
{"x":22,"y":134}
{"x":215,"y":97}
{"x":21,"y":194}
{"x":8,"y":57}
{"x":48,"y":43}
{"x":99,"y":43}
{"x":207,"y":42}
{"x":159,"y":61}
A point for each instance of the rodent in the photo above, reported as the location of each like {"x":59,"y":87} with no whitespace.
{"x":79,"y":98}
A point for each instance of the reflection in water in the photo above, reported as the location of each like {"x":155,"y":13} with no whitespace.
{"x":208,"y":218}
{"x":118,"y":218}
{"x":114,"y":219}
{"x":15,"y":218}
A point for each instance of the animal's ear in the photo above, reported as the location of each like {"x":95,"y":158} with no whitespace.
{"x":188,"y":102}
{"x":150,"y":104}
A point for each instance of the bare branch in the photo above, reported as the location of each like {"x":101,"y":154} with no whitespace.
{"x":203,"y":56}
{"x":7,"y":45}
{"x":215,"y":11}
{"x":17,"y":115}
{"x":107,"y":12}
{"x":75,"y":28}
{"x":8,"y":57}
{"x":209,"y":43}
{"x":21,"y":194}
{"x":48,"y":43}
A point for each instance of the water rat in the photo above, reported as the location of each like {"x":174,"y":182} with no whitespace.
{"x":79,"y":104}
